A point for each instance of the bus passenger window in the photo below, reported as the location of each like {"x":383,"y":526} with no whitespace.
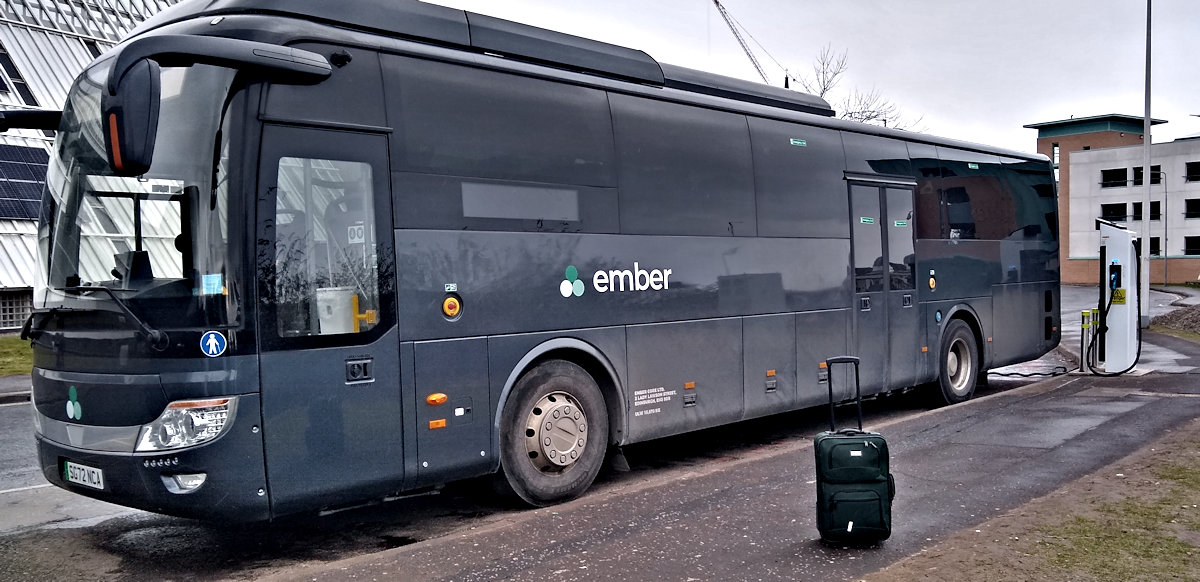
{"x":326,"y":276}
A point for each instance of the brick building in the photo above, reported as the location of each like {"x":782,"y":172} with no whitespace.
{"x":1108,"y":163}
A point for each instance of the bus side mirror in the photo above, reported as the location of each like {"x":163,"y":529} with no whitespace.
{"x":130,"y":119}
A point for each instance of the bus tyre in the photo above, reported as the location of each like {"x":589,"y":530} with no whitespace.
{"x":959,"y":363}
{"x":553,"y":433}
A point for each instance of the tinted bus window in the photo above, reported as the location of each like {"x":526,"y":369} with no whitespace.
{"x":798,"y":179}
{"x":461,"y":121}
{"x":875,"y":155}
{"x":1031,"y":185}
{"x":927,"y":170}
{"x":975,"y":200}
{"x":684,"y":170}
{"x":865,"y":220}
{"x":901,"y":255}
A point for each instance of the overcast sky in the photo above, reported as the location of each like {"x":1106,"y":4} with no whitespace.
{"x":971,"y":69}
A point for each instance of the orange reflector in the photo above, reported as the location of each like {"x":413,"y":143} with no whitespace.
{"x":113,"y":136}
{"x":1055,"y":328}
{"x":451,"y":307}
{"x":989,"y":340}
{"x":822,"y":365}
{"x":436,"y":398}
{"x":770,"y":373}
{"x":924,"y":349}
{"x":439,"y":423}
{"x":689,"y":385}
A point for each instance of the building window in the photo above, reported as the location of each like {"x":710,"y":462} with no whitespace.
{"x":1054,"y":153}
{"x":1191,"y":245}
{"x":1193,"y":172}
{"x":1155,"y":210}
{"x":1191,"y":208}
{"x":1115,"y":178}
{"x":1155,"y":175}
{"x":1086,"y":148}
{"x":14,"y":308}
{"x":1113,"y":212}
{"x":1155,"y":247}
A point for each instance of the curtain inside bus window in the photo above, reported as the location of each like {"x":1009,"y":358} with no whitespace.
{"x":326,"y":276}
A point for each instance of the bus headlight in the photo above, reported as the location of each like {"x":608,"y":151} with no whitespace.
{"x":187,"y":423}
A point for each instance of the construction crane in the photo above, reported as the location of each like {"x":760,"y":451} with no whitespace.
{"x":733,"y":28}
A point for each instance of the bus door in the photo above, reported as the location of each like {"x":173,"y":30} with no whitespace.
{"x":329,"y":362}
{"x":884,"y":300}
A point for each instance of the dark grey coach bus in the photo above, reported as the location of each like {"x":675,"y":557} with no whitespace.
{"x":300,"y":255}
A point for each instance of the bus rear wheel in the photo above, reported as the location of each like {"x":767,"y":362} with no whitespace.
{"x":553,"y":433}
{"x":959,"y":363}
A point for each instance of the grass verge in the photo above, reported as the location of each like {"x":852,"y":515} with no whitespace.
{"x":1143,"y":537}
{"x":15,"y":356}
{"x":1179,"y":333}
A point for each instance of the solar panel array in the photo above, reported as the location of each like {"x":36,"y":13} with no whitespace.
{"x":22,"y":177}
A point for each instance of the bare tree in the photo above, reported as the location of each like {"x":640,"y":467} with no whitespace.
{"x":866,"y":106}
{"x":827,"y":71}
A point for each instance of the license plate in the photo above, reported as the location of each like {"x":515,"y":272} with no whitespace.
{"x":83,"y":475}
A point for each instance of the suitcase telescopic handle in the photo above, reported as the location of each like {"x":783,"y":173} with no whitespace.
{"x":857,"y":391}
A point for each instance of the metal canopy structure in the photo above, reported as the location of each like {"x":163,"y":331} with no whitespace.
{"x":99,"y":20}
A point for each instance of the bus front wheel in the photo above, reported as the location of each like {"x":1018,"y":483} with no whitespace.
{"x":959,"y":365}
{"x":553,"y":433}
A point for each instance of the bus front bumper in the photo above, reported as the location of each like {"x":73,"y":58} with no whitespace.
{"x":223,"y":480}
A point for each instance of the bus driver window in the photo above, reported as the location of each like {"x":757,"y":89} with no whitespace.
{"x":326,"y":276}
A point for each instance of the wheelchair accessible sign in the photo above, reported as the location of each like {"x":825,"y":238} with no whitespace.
{"x":213,"y":343}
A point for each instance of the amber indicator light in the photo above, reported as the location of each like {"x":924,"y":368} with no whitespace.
{"x":436,"y":398}
{"x":689,"y":385}
{"x":770,"y":373}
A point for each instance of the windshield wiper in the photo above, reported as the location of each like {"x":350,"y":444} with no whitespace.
{"x":157,"y":339}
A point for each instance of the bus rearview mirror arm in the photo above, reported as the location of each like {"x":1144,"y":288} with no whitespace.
{"x":130,"y":105}
{"x":289,"y":65}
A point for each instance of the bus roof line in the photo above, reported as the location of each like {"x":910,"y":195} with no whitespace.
{"x":486,"y":34}
{"x":433,"y":26}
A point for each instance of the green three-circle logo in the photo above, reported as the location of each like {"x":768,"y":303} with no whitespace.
{"x":571,"y":285}
{"x":74,"y":410}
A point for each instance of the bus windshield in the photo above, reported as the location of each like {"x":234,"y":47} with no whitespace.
{"x":159,"y":237}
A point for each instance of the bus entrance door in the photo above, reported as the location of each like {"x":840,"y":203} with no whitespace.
{"x":329,"y":362}
{"x":884,"y":303}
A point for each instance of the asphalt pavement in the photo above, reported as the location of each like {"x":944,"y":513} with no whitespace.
{"x":752,"y":518}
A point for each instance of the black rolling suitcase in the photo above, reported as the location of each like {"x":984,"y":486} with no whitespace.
{"x":854,"y":486}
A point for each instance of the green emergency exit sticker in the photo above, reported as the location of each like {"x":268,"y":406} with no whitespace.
{"x":799,"y":142}
{"x":866,"y":220}
{"x":901,"y":223}
{"x":972,"y":166}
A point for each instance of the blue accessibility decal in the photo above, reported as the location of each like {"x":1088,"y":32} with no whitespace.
{"x":213,"y":343}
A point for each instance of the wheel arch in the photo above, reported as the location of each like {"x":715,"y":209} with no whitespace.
{"x":969,"y":316}
{"x":584,"y":355}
